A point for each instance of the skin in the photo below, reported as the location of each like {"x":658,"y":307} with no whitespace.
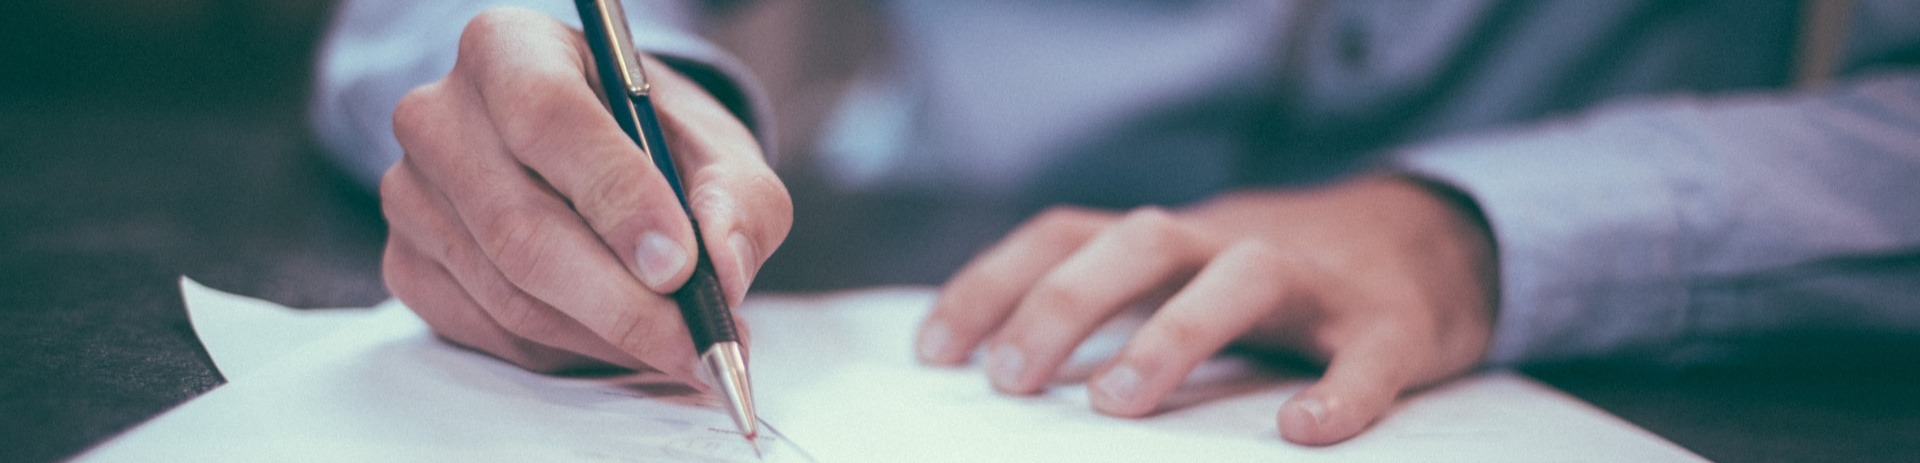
{"x":524,"y":224}
{"x":1382,"y":279}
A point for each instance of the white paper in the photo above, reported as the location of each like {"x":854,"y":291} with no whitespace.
{"x":385,"y":389}
{"x":242,"y":334}
{"x":835,"y":373}
{"x":838,"y":373}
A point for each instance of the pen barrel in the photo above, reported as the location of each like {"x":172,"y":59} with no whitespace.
{"x":702,"y":305}
{"x":704,"y":308}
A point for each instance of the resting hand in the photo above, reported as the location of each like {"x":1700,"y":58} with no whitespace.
{"x":1380,"y":278}
{"x":526,"y":224}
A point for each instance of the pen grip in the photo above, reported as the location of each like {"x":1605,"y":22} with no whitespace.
{"x":704,"y":307}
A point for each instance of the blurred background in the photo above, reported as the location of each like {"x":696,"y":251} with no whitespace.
{"x":142,"y":140}
{"x":201,"y":53}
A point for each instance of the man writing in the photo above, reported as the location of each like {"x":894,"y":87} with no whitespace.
{"x":1403,"y":192}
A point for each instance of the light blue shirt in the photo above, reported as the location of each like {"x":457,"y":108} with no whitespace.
{"x":1657,"y":189}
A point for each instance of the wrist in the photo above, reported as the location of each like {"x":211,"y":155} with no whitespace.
{"x":1468,"y":233}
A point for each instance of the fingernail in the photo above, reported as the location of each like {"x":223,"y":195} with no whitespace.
{"x":744,"y":258}
{"x":1004,"y":366}
{"x":1119,"y":385}
{"x":659,"y":259}
{"x":1315,"y":409}
{"x":933,"y":341}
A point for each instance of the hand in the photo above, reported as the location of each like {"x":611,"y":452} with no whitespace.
{"x":1385,"y":281}
{"x":526,"y":224}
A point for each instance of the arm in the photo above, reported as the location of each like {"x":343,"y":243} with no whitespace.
{"x":1654,"y":230}
{"x":1683,"y":230}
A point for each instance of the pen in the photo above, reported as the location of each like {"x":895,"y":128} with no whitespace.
{"x":702,"y":304}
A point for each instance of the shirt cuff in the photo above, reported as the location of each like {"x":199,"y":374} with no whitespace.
{"x":1586,"y":234}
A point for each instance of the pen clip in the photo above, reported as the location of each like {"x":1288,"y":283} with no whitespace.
{"x":613,"y":26}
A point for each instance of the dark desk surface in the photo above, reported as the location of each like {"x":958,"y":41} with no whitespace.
{"x":106,"y":199}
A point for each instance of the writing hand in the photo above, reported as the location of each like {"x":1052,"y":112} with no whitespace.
{"x":525,"y":224}
{"x":1382,"y":279}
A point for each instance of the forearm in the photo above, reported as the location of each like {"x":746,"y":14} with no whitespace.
{"x":1681,"y":230}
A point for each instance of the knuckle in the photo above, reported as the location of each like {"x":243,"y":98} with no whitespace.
{"x":974,"y":285}
{"x":491,"y":24}
{"x":1151,"y":215}
{"x":714,"y":204}
{"x":1259,"y":259}
{"x":1060,"y":299}
{"x":394,"y":186}
{"x":413,"y":114}
{"x":606,"y":191}
{"x":1151,"y":229}
{"x":539,"y":107}
{"x":398,"y":274}
{"x":767,"y":191}
{"x":1058,"y":227}
{"x":518,"y":243}
{"x":390,"y":183}
{"x":1172,"y":334}
{"x":454,"y":252}
{"x":753,"y":197}
{"x":1061,"y":217}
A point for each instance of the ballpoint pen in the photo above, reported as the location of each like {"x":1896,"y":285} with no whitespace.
{"x":702,"y":304}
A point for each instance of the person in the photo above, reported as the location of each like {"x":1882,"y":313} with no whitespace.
{"x":1403,"y":191}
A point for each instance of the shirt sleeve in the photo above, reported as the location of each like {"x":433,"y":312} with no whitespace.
{"x":1685,"y":230}
{"x":377,"y":50}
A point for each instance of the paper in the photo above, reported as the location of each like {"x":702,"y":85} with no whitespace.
{"x":854,"y":393}
{"x":835,"y":373}
{"x":242,"y":334}
{"x":385,"y":389}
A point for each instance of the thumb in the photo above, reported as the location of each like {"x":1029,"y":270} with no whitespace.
{"x":1359,"y":387}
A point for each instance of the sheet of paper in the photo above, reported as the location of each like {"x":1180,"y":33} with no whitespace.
{"x":242,"y":334}
{"x":385,"y":389}
{"x":854,"y":393}
{"x":835,"y":373}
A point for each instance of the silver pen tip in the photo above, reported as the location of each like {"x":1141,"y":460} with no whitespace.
{"x":729,"y":369}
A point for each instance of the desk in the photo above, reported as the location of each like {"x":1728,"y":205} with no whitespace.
{"x":96,"y":225}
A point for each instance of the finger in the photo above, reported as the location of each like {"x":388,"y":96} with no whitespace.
{"x":428,"y":217}
{"x":1360,"y":385}
{"x":430,"y":292}
{"x":984,"y":293}
{"x":1143,"y":252}
{"x":743,"y":209}
{"x":1242,"y":285}
{"x":530,"y":74}
{"x":529,"y":233}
